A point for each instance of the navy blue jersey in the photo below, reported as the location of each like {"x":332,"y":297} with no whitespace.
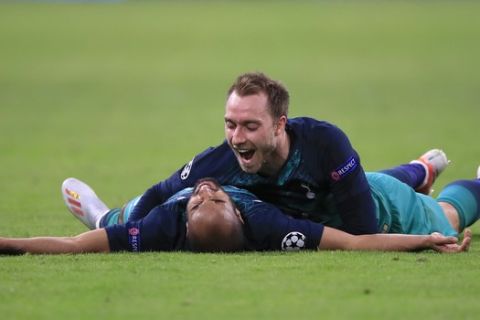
{"x":164,"y":227}
{"x":322,"y":179}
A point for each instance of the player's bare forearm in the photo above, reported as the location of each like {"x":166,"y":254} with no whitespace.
{"x":91,"y":241}
{"x":338,"y":240}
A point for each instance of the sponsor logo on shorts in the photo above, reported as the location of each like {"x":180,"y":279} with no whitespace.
{"x":344,"y":169}
{"x":186,"y":170}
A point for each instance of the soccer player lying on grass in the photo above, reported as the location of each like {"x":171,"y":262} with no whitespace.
{"x":211,"y":218}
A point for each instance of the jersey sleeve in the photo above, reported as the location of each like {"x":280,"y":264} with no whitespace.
{"x":213,"y":162}
{"x":348,"y":184}
{"x":160,"y":230}
{"x":267,"y":228}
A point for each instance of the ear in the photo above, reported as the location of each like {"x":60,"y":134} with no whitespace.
{"x":280,"y":125}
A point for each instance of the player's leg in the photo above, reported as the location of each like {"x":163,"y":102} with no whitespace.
{"x":86,"y":206}
{"x":82,"y":202}
{"x":420,"y":174}
{"x":402,"y":210}
{"x":460,"y":201}
{"x":452,"y":215}
{"x":118,"y":215}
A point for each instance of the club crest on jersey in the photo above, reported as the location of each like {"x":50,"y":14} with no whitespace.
{"x":186,"y":170}
{"x":345,"y":169}
{"x":294,"y":241}
{"x":310,"y":194}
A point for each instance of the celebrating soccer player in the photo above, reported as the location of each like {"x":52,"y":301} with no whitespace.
{"x":303,"y":166}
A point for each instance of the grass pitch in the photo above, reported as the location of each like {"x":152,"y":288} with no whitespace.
{"x":122,"y":94}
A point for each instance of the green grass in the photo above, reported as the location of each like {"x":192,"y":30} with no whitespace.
{"x":102,"y":91}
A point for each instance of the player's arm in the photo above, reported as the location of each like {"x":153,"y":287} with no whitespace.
{"x":210,"y":163}
{"x":154,"y":196}
{"x":91,"y":241}
{"x":349,"y":185}
{"x":160,"y":192}
{"x":333,"y":239}
{"x":161,"y":230}
{"x":269,"y":229}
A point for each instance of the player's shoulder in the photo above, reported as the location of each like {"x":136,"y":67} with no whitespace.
{"x":213,"y":161}
{"x":221,"y":151}
{"x":246,"y":201}
{"x":313,"y":130}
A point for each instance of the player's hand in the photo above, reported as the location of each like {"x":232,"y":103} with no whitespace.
{"x":443,"y":244}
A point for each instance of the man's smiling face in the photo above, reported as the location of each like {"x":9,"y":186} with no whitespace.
{"x":251,"y":131}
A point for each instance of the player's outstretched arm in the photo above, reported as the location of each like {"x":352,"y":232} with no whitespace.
{"x":91,"y":241}
{"x":334,"y":239}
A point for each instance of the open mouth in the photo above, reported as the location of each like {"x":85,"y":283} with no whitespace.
{"x":246,"y":154}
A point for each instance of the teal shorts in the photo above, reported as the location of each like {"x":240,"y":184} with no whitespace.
{"x":400,"y":209}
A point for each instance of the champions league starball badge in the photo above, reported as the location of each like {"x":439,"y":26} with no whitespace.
{"x":293,"y":241}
